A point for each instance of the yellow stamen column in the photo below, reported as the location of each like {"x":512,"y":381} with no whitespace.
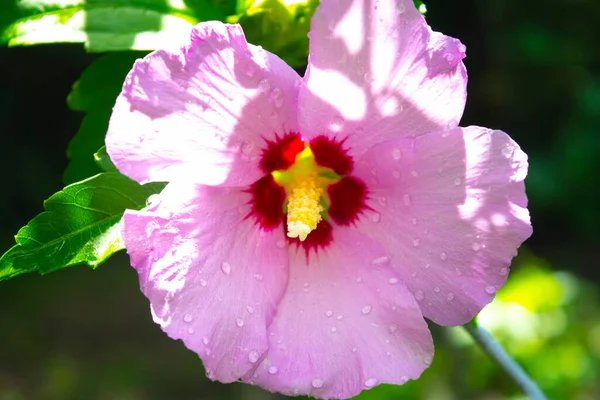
{"x":304,"y":208}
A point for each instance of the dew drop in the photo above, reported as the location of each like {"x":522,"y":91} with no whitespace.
{"x":396,"y":174}
{"x":393,"y":281}
{"x":457,"y":181}
{"x":490,"y":289}
{"x":401,"y":8}
{"x":476,"y":247}
{"x":396,"y":154}
{"x":419,"y":295}
{"x":393,"y":328}
{"x":414,"y":173}
{"x":359,"y":279}
{"x":317,"y":383}
{"x":239,"y":322}
{"x":258,"y":277}
{"x":264,"y":85}
{"x":329,"y":313}
{"x":188,"y":318}
{"x":369,"y":77}
{"x":339,"y":317}
{"x":436,"y":289}
{"x":334,"y":329}
{"x":366,"y":310}
{"x":273,"y":370}
{"x":376,"y":218}
{"x":427,"y":360}
{"x":250,"y":309}
{"x":380,"y":261}
{"x":443,"y":256}
{"x":203,"y":283}
{"x":337,"y":123}
{"x":205,"y":340}
{"x":416,"y":242}
{"x":426,"y":266}
{"x":253,"y":356}
{"x":403,"y":379}
{"x":370,"y":382}
{"x":450,"y":296}
{"x":354,"y":349}
{"x":407,"y":200}
{"x":190,"y":330}
{"x":414,"y":221}
{"x":503,"y":271}
{"x":226,"y":268}
{"x":414,"y":273}
{"x":383,"y":201}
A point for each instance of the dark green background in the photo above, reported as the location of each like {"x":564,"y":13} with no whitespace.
{"x":534,"y":71}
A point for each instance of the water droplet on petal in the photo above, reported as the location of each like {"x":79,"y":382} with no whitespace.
{"x":457,"y":181}
{"x":239,"y":322}
{"x":203,"y":283}
{"x":264,"y":85}
{"x":401,"y":8}
{"x":339,"y":317}
{"x":443,"y":256}
{"x":450,"y":296}
{"x":393,"y":281}
{"x":354,"y":349}
{"x":188,"y":318}
{"x":366,"y":310}
{"x":407,"y":200}
{"x":414,"y":173}
{"x":476,"y":246}
{"x":205,"y":340}
{"x":396,"y":154}
{"x":253,"y":356}
{"x":416,"y":242}
{"x":359,"y":279}
{"x":190,"y":330}
{"x":393,"y":328}
{"x":369,"y":77}
{"x":436,"y":289}
{"x":370,"y":382}
{"x":258,"y":277}
{"x":337,"y":124}
{"x":273,"y":370}
{"x":329,"y":313}
{"x":383,"y":201}
{"x":419,"y":295}
{"x":427,"y":360}
{"x":396,"y":174}
{"x":503,"y":271}
{"x":414,"y":221}
{"x":334,"y":329}
{"x":317,"y":383}
{"x":380,"y":261}
{"x":250,"y":309}
{"x":376,"y":218}
{"x":226,"y":268}
{"x":490,"y":289}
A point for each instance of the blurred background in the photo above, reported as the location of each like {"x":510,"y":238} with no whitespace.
{"x":534,"y":72}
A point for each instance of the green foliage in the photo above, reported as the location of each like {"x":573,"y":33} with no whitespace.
{"x":80,"y":226}
{"x":94,"y":93}
{"x":102,"y":25}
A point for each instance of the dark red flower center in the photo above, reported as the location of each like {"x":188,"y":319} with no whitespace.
{"x":320,"y":168}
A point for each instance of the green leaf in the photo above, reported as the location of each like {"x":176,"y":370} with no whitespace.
{"x":80,"y":226}
{"x":95,"y":93}
{"x":103,"y":160}
{"x":102,"y":25}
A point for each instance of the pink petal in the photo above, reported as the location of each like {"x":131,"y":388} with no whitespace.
{"x":377,"y":71}
{"x":346,"y":323}
{"x":213,"y":278}
{"x":201,"y":113}
{"x":451,"y":209}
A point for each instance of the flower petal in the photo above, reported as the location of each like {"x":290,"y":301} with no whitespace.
{"x":346,"y":323}
{"x":377,"y":71}
{"x":451,"y":209}
{"x":212,"y":277}
{"x":201,"y":113}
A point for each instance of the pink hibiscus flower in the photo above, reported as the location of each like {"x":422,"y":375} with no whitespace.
{"x":311,"y":223}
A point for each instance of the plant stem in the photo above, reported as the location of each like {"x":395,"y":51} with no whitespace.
{"x":506,"y":362}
